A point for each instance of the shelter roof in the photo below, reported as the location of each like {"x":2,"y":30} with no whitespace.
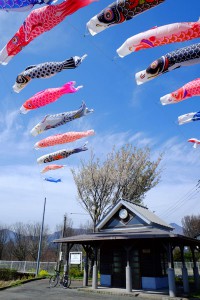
{"x":150,"y":233}
{"x":139,"y":216}
{"x":130,"y":221}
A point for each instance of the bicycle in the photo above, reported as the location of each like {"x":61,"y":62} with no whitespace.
{"x":63,"y":280}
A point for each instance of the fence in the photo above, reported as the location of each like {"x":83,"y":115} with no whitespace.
{"x":189,"y":266}
{"x":30,"y":266}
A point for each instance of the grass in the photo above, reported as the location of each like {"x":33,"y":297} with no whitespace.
{"x":192,"y":295}
{"x":9,"y":283}
{"x":195,"y":296}
{"x":12,"y":283}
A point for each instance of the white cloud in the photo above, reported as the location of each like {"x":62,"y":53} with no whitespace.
{"x":172,"y":202}
{"x":22,"y":196}
{"x":176,"y":195}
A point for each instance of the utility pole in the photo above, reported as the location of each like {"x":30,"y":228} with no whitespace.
{"x":40,"y":241}
{"x":61,"y":254}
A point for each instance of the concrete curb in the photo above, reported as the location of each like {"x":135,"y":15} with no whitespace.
{"x":120,"y":292}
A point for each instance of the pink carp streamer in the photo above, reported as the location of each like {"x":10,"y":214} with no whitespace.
{"x":195,"y":141}
{"x":52,"y":167}
{"x":189,"y":90}
{"x":62,"y":138}
{"x":159,"y":36}
{"x":37,"y":22}
{"x":48,"y":96}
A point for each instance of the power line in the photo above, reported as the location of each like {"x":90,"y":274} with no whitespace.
{"x":184,"y":199}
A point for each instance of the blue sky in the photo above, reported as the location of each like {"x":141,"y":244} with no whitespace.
{"x":124,"y":113}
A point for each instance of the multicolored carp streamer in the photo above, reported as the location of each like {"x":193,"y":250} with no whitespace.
{"x":189,"y":90}
{"x":190,"y":117}
{"x":186,"y":56}
{"x":37,"y":22}
{"x":195,"y":141}
{"x":64,"y":153}
{"x":45,"y":70}
{"x":52,"y":167}
{"x":48,"y":96}
{"x":51,"y":179}
{"x":53,"y":121}
{"x":158,"y":36}
{"x":62,"y":138}
{"x":119,"y":12}
{"x":22,"y":5}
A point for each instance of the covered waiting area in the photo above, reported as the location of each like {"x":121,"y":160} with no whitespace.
{"x":154,"y":248}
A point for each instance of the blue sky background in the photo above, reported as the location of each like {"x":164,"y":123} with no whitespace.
{"x":124,"y":113}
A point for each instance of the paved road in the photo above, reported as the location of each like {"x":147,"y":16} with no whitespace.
{"x":39,"y":290}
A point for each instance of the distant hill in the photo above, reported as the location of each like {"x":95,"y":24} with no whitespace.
{"x":177,"y":228}
{"x":10,"y":235}
{"x":53,"y":236}
{"x":58,"y":234}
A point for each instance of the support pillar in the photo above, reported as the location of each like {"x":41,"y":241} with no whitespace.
{"x":94,"y":271}
{"x":66,"y":261}
{"x":195,"y":271}
{"x":128,"y":279}
{"x":184,"y":273}
{"x":171,"y":280}
{"x":94,"y":277}
{"x":128,"y":271}
{"x":196,"y":278}
{"x":186,"y":288}
{"x":85,"y":273}
{"x":171,"y":273}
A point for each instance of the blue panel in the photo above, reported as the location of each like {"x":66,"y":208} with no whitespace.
{"x":154,"y":283}
{"x":105,"y":280}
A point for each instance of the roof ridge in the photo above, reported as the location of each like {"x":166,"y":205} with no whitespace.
{"x":132,"y":202}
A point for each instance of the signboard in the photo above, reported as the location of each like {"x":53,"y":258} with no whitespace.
{"x":75,"y":258}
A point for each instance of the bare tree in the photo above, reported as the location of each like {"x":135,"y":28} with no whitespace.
{"x":63,"y":229}
{"x":94,"y":184}
{"x":33,"y":237}
{"x":191,"y":225}
{"x":25,"y":240}
{"x":4,"y":238}
{"x":125,"y":173}
{"x":19,"y":243}
{"x":85,"y":228}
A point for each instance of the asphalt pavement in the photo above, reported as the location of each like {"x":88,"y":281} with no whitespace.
{"x":40,"y":290}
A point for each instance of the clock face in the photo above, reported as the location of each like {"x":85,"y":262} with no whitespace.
{"x":123,"y":213}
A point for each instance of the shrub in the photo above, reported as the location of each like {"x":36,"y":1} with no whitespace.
{"x":11,"y":274}
{"x":75,"y":272}
{"x":43,"y":273}
{"x":8,"y":274}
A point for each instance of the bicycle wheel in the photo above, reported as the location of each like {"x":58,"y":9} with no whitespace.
{"x":53,"y":281}
{"x":66,"y":281}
